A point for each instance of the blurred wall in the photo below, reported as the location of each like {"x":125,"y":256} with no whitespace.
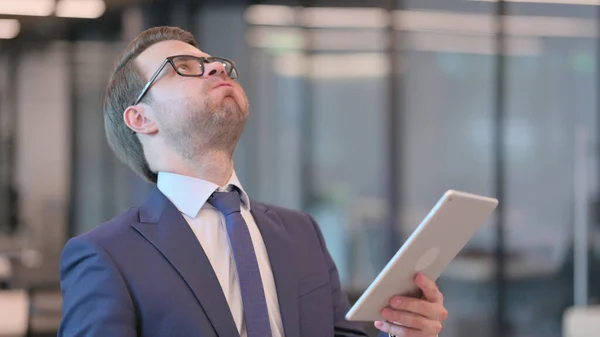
{"x":43,"y":142}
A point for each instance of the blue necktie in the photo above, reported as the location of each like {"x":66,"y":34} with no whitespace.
{"x":253,"y":295}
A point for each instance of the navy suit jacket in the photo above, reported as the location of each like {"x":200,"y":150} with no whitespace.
{"x":144,"y":273}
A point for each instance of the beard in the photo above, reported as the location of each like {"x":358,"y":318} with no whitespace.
{"x":202,"y":128}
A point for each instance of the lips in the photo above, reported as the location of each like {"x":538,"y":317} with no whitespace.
{"x":222,"y":85}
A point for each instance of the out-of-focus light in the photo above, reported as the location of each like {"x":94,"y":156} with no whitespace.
{"x":345,"y":17}
{"x":351,"y":65}
{"x":562,"y":2}
{"x":289,"y":40}
{"x":423,"y":21}
{"x":550,"y":26}
{"x":270,"y":15}
{"x":447,"y":22}
{"x":9,"y":28}
{"x":280,"y":39}
{"x":27,"y":7}
{"x":470,"y":44}
{"x":480,"y":24}
{"x":317,"y":17}
{"x":87,"y":9}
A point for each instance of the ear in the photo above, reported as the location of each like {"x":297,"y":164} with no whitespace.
{"x":137,"y":119}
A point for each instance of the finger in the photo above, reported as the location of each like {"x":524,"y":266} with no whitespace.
{"x":430,"y":290}
{"x":411,"y":320}
{"x":435,"y":311}
{"x":398,"y":331}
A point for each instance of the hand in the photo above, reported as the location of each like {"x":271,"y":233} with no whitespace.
{"x":412,"y":317}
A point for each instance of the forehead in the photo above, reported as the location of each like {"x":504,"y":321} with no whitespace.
{"x":149,"y":60}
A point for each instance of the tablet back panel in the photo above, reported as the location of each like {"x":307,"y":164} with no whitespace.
{"x":430,"y":248}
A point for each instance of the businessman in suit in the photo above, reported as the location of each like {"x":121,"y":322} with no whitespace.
{"x":199,"y":257}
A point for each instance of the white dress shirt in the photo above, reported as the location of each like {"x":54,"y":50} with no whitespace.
{"x":189,"y":195}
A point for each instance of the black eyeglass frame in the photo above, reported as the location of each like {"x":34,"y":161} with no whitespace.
{"x":202,"y":60}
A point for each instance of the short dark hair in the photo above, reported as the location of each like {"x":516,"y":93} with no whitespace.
{"x":125,"y":84}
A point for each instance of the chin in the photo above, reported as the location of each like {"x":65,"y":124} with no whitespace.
{"x":231,"y":106}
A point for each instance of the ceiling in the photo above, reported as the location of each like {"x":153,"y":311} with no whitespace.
{"x":109,"y":25}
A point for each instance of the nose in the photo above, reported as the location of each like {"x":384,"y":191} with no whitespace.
{"x":214,"y":68}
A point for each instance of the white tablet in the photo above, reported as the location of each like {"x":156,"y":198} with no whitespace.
{"x":429,"y":249}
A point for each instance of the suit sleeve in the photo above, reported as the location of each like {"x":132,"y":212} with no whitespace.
{"x":96,"y":301}
{"x":342,"y":328}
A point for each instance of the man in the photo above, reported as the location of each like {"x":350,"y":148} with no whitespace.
{"x":200,"y":258}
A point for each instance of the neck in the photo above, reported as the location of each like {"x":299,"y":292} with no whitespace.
{"x":216,"y":167}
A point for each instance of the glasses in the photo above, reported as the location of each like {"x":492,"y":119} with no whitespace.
{"x":189,"y":66}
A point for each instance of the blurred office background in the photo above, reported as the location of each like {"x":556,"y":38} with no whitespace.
{"x":362,"y":113}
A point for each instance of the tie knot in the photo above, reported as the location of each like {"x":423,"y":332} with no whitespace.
{"x":226,"y":202}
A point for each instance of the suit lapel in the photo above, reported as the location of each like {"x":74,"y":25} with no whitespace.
{"x":165,"y":228}
{"x":278,"y":243}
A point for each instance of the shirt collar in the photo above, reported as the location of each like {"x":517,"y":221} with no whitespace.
{"x":189,"y":194}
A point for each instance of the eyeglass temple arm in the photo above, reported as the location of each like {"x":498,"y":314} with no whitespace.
{"x":149,"y":83}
